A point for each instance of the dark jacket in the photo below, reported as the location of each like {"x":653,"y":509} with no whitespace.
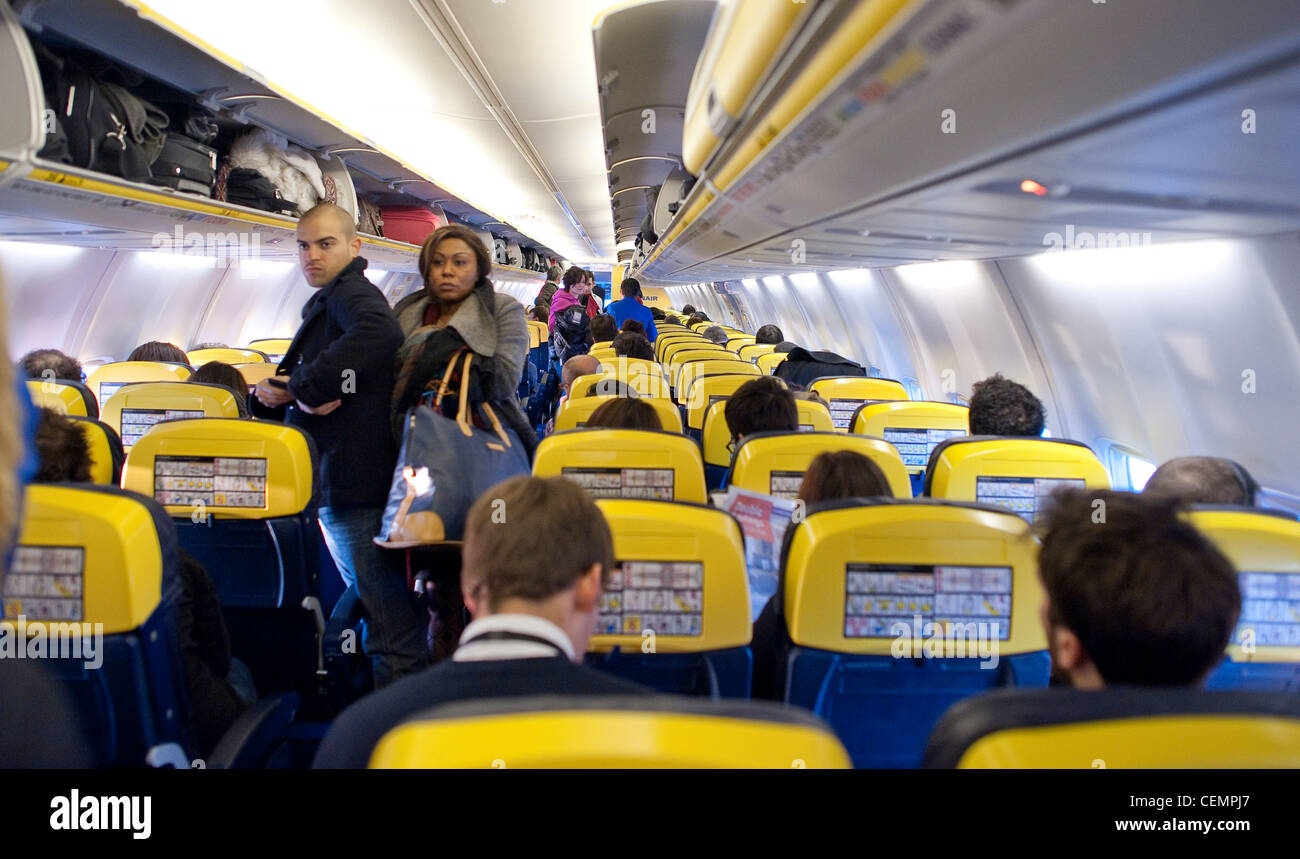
{"x":803,"y":367}
{"x":205,"y":649}
{"x":344,"y":350}
{"x":353,"y":736}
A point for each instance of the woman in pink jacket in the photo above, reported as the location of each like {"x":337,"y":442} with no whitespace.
{"x":576,"y":289}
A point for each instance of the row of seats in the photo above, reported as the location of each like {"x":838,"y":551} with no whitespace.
{"x":88,"y":399}
{"x":682,"y":586}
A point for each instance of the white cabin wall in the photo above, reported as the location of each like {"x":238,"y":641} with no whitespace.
{"x":46,"y":289}
{"x":1147,"y":348}
{"x":964,"y":327}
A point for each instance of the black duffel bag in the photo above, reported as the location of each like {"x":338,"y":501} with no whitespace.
{"x":185,"y":165}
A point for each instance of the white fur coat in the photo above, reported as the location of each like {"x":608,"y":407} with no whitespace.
{"x":291,"y":168}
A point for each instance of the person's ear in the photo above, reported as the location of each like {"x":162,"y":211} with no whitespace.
{"x":356,"y":246}
{"x":1068,"y":649}
{"x":472,"y":592}
{"x":587,"y":593}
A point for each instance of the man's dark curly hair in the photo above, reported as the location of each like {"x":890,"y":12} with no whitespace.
{"x":1000,"y":406}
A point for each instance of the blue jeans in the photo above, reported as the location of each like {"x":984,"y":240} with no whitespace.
{"x":395,"y":629}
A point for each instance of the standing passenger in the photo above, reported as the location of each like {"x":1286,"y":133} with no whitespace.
{"x":335,"y":382}
{"x":630,"y":307}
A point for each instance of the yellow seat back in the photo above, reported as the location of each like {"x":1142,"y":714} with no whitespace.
{"x":774,"y":463}
{"x":534,"y":338}
{"x":664,"y":341}
{"x":603,"y":351}
{"x":232,"y":469}
{"x":681,"y":579}
{"x":915,"y":428}
{"x":853,"y":572}
{"x":685,"y":372}
{"x":84,"y":555}
{"x":813,"y":417}
{"x":611,"y":732}
{"x":736,"y":342}
{"x":706,"y":391}
{"x":133,"y":410}
{"x":575,"y":413}
{"x":1265,"y":550}
{"x":66,"y":398}
{"x":254,"y":373}
{"x":752,"y":351}
{"x":272,"y":347}
{"x":607,"y":384}
{"x":846,"y":393}
{"x":1119,"y":728}
{"x":675,"y":353}
{"x":625,"y":463}
{"x":1019,"y":474}
{"x":199,"y":357}
{"x":108,"y":379}
{"x":106,"y":456}
{"x":543,"y":332}
{"x":767,"y":362}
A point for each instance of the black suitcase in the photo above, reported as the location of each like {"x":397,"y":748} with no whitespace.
{"x":185,"y":165}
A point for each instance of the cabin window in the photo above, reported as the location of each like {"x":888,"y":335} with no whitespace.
{"x":1128,"y":470}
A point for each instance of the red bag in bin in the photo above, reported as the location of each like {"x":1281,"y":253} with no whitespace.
{"x":411,"y":224}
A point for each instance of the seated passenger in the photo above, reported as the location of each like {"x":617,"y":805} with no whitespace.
{"x":1202,"y":480}
{"x":1000,"y":406}
{"x":830,"y":476}
{"x":768,"y":334}
{"x":696,"y":318}
{"x":688,"y":309}
{"x":630,"y":345}
{"x":218,"y":373}
{"x":625,"y":413}
{"x":156,"y":350}
{"x":633,"y":327}
{"x":1134,"y":597}
{"x":579,"y":365}
{"x":35,"y":364}
{"x":532,"y":582}
{"x":205,"y":643}
{"x":716,"y":334}
{"x":657,"y":314}
{"x":538,"y":313}
{"x":761,"y":405}
{"x":603,"y":328}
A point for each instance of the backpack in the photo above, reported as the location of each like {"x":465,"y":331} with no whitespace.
{"x":570,"y":335}
{"x":103,"y":126}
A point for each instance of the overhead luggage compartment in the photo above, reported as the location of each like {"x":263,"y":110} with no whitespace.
{"x":644,"y":56}
{"x":964,"y":129}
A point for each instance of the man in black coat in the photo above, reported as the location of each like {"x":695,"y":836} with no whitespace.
{"x":336,"y":382}
{"x":538,"y":554}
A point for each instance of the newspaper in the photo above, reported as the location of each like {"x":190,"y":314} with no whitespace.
{"x":763,"y":519}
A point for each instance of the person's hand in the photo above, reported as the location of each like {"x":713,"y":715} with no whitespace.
{"x":271,"y":395}
{"x":322,"y":409}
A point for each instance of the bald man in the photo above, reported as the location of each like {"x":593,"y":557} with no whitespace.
{"x":578,"y":365}
{"x":336,"y":382}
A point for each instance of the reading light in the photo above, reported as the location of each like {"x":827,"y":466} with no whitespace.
{"x":1029,"y":186}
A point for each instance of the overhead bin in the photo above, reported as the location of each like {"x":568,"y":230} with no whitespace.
{"x":745,"y":40}
{"x":911,"y":133}
{"x":56,"y":203}
{"x":644,"y":55}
